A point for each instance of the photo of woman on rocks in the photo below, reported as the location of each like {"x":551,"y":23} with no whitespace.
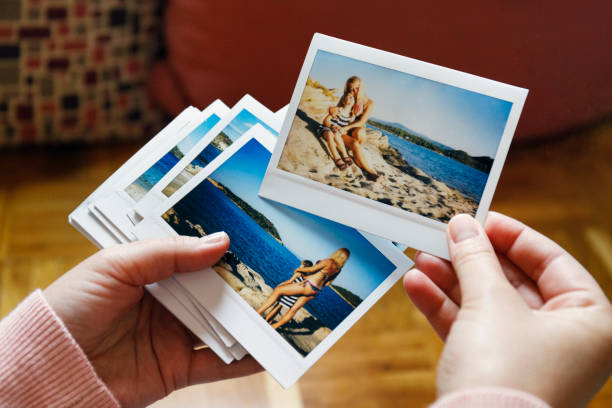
{"x":269,"y":245}
{"x":303,"y":286}
{"x":419,"y":145}
{"x":345,"y":127}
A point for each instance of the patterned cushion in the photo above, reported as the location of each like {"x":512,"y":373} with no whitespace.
{"x":76,"y":70}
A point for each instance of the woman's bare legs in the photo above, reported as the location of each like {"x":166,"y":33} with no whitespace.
{"x":302,"y":300}
{"x":269,"y":302}
{"x":289,"y":289}
{"x":273,"y":312}
{"x":354,"y":140}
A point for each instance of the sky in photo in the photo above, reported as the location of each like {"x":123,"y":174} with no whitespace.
{"x":242,"y":123}
{"x":307,"y":236}
{"x":452,"y":116}
{"x":197,"y":134}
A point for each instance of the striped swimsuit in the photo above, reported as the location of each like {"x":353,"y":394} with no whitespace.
{"x":339,"y":121}
{"x":289,"y":300}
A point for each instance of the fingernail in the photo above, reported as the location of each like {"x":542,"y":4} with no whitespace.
{"x":215,"y":238}
{"x":462,"y":227}
{"x":421,"y":256}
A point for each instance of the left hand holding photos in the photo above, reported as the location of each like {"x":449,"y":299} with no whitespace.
{"x":138,"y":348}
{"x":516,"y":311}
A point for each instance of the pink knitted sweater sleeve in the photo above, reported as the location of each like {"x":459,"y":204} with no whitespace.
{"x":489,"y":397}
{"x":41,"y":365}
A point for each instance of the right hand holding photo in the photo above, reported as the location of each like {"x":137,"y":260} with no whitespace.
{"x":515,"y":311}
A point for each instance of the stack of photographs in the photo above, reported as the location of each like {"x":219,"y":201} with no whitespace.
{"x":308,"y":195}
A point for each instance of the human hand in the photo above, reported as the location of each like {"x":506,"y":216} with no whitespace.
{"x":516,"y":311}
{"x":138,"y":348}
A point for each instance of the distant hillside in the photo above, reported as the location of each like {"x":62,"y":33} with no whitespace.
{"x":408,"y":130}
{"x":482,"y":163}
{"x":176,"y":152}
{"x":255,"y":215}
{"x":347,"y":295}
{"x":222,"y":141}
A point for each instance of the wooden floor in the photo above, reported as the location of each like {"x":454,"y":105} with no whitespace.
{"x":562,"y":188}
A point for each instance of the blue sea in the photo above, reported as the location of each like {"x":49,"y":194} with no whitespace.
{"x":157,"y":171}
{"x":208,"y":206}
{"x":469,"y":181}
{"x":207,"y":155}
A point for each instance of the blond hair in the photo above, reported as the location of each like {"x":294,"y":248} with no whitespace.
{"x":361,"y":98}
{"x":340,"y":257}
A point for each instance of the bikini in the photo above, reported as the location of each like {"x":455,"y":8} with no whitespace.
{"x":289,"y":300}
{"x":314,"y":288}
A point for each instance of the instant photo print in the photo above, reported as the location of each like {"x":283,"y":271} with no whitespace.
{"x":82,"y":219}
{"x":242,"y":117}
{"x":391,"y":145}
{"x":374,"y":153}
{"x":272,"y":248}
{"x":141,"y":177}
{"x":117,"y":208}
{"x":88,"y":223}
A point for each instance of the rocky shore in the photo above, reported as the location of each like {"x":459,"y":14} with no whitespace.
{"x":304,"y":332}
{"x":401,"y":185}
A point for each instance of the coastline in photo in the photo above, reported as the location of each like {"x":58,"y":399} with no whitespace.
{"x":243,"y":121}
{"x":405,"y":141}
{"x":269,"y":241}
{"x":149,"y":178}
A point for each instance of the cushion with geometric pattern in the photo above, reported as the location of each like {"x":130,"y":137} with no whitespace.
{"x":76,"y":70}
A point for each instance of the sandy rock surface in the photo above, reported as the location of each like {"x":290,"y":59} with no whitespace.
{"x":181,"y":179}
{"x":303,"y":332}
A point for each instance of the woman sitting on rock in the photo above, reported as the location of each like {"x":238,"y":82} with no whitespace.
{"x":304,"y":285}
{"x":353,"y":134}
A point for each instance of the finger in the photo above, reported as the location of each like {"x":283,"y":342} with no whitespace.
{"x":438,"y":308}
{"x":145,"y":262}
{"x":480,"y":275}
{"x":553,"y":270}
{"x":206,"y":366}
{"x":441,"y":272}
{"x":521,"y":282}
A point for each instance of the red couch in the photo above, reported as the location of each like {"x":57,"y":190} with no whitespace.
{"x":560,"y":51}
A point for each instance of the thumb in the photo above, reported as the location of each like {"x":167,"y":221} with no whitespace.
{"x":479,"y":272}
{"x":144,"y":262}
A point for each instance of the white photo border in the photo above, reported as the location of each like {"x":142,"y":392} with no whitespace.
{"x":402,"y":226}
{"x":155,"y":197}
{"x":115,"y":207}
{"x":86,"y":222}
{"x":99,"y":233}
